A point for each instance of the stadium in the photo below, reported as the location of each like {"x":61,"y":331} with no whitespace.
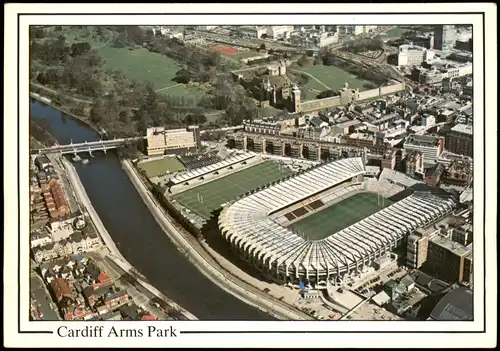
{"x":327,"y":222}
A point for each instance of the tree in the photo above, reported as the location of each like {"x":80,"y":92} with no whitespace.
{"x":262,"y":46}
{"x":80,"y":48}
{"x":183,"y":76}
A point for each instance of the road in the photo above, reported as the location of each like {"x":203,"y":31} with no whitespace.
{"x":41,"y":298}
{"x":141,"y":297}
{"x":223,"y":278}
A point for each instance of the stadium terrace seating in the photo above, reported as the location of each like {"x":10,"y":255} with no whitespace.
{"x":198,"y":161}
{"x":198,"y":172}
{"x":289,"y":257}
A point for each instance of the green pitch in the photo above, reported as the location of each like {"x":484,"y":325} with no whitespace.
{"x":159,"y":167}
{"x":332,"y":219}
{"x":222,"y":190}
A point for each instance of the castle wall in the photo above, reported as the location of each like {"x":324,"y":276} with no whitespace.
{"x":319,"y":104}
{"x":369,"y":94}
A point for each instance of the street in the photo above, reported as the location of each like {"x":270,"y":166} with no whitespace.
{"x":41,"y":299}
{"x":141,"y":298}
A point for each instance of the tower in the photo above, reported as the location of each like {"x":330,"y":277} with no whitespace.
{"x":296,"y":98}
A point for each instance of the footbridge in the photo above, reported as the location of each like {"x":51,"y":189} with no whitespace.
{"x":87,"y":146}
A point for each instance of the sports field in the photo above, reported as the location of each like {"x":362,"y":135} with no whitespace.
{"x":338,"y":216}
{"x":158,"y":167}
{"x":141,"y":65}
{"x":332,"y":77}
{"x":223,"y":190}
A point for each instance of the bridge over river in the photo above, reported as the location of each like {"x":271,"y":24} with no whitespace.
{"x":100,"y":145}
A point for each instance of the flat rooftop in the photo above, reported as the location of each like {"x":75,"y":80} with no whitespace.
{"x":422,"y":140}
{"x":456,"y":248}
{"x":463,"y":128}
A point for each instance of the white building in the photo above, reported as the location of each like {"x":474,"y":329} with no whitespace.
{"x":430,"y":146}
{"x":277,"y":32}
{"x":252,"y":31}
{"x":411,"y":55}
{"x":40,"y":238}
{"x":428,"y":121}
{"x":354,"y":30}
{"x":327,"y":39}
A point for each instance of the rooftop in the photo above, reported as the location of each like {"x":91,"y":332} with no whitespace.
{"x":422,"y":140}
{"x":457,"y":248}
{"x":463,"y":128}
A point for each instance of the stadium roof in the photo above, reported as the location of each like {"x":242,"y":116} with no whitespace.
{"x":246,"y":223}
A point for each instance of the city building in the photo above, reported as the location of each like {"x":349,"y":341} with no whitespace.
{"x":354,"y":29}
{"x":434,"y":174}
{"x":389,"y":159}
{"x":418,"y":246}
{"x":445,"y":37}
{"x":414,"y":163}
{"x":460,"y":141}
{"x":459,"y":173}
{"x":411,"y":55}
{"x":278,"y":32}
{"x":446,"y":259}
{"x":253,"y":31}
{"x":462,"y":234}
{"x":428,"y":121}
{"x":430,"y":146}
{"x":161,"y":140}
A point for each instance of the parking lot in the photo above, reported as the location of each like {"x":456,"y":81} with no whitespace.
{"x":41,"y":300}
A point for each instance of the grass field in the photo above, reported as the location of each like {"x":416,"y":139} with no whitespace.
{"x":333,"y":77}
{"x":158,"y":167}
{"x":338,"y":216}
{"x":219,"y":191}
{"x":141,"y":65}
{"x":396,"y":32}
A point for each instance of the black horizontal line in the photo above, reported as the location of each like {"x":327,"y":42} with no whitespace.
{"x":35,"y":332}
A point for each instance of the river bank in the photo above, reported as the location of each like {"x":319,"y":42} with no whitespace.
{"x":46,"y":101}
{"x":114,"y":253}
{"x":209,"y":268}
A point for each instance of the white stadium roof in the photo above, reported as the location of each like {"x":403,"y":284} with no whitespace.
{"x":246,"y":224}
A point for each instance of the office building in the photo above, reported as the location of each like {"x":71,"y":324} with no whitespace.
{"x":446,"y":259}
{"x":410,"y":55}
{"x":417,"y":246}
{"x":430,"y":146}
{"x":445,"y":37}
{"x":460,"y":141}
{"x":161,"y":140}
{"x":462,"y":234}
{"x":414,"y":163}
{"x":278,"y":32}
{"x":428,"y":121}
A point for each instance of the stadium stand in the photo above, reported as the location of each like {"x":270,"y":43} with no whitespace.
{"x":198,"y":161}
{"x":199,"y":172}
{"x":276,"y":250}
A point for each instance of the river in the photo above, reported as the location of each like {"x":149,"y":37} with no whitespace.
{"x":135,"y":231}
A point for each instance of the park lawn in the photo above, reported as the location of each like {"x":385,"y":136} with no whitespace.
{"x":141,"y":65}
{"x":395,"y":32}
{"x":223,"y":190}
{"x":333,"y":77}
{"x":334,"y":218}
{"x":159,"y":167}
